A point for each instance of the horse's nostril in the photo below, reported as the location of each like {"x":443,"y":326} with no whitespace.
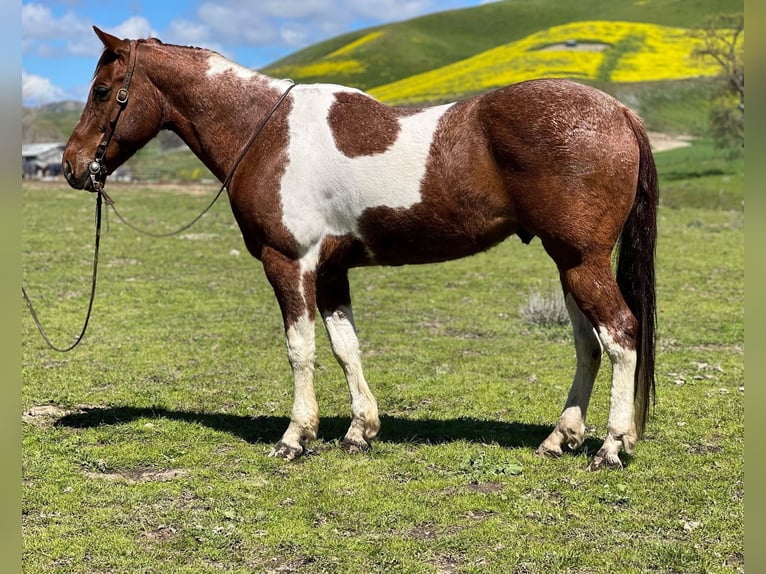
{"x":67,"y":168}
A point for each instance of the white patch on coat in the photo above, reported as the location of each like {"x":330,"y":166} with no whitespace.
{"x":324,"y":192}
{"x":218,"y":65}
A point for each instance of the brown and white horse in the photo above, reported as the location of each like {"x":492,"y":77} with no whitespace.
{"x":337,"y":180}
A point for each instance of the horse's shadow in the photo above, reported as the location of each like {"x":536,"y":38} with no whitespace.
{"x":269,"y":429}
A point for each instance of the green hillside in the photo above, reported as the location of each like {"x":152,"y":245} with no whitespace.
{"x":396,"y":51}
{"x":52,"y":122}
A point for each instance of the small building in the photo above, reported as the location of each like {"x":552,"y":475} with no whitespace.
{"x":42,"y":159}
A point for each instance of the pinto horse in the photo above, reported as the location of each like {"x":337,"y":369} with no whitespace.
{"x":337,"y":179}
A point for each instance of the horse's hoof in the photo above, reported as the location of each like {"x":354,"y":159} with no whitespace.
{"x":355,"y":447}
{"x":286,"y":451}
{"x":547,"y":452}
{"x":605,"y":460}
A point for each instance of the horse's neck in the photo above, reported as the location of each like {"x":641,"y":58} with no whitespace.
{"x":213,"y":104}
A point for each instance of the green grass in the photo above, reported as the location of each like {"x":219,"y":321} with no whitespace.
{"x":152,"y":453}
{"x":674,"y":107}
{"x":703,"y":176}
{"x":152,"y":163}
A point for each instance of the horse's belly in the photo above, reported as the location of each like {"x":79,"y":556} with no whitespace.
{"x":421,"y":235}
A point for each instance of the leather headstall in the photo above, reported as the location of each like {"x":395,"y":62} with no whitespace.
{"x":97,"y":168}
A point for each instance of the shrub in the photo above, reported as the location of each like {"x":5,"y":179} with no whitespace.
{"x":545,"y":310}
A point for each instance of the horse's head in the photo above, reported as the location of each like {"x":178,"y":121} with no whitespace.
{"x":121,"y":114}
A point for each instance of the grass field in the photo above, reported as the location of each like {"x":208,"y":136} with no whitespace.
{"x":146,"y":449}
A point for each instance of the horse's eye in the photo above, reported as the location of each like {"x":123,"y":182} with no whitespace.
{"x":101,"y":93}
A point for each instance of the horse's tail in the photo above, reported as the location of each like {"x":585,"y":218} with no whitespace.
{"x":635,"y":271}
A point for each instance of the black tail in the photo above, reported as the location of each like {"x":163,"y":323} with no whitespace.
{"x":635,"y":271}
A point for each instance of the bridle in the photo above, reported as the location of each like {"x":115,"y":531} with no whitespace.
{"x":97,"y":168}
{"x":98,"y":173}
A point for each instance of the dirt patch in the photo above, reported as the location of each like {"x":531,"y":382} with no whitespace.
{"x":576,"y":47}
{"x":425,"y":531}
{"x":665,"y":142}
{"x":47,"y":414}
{"x":136,"y":476}
{"x":486,"y":487}
{"x":160,"y":534}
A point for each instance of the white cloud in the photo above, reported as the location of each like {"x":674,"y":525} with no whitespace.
{"x":70,"y":35}
{"x":298,"y":9}
{"x":294,"y":35}
{"x":133,"y":27}
{"x":298,"y":23}
{"x":36,"y":90}
{"x":184,"y":32}
{"x":39,"y":24}
{"x":238,"y":24}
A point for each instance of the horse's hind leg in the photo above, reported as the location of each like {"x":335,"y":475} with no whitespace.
{"x":570,"y":428}
{"x":334,"y":302}
{"x":593,"y":287}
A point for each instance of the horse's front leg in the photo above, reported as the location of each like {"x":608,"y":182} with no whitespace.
{"x":334,"y":301}
{"x":570,"y":428}
{"x":296,"y":292}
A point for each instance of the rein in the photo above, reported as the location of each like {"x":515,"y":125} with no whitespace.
{"x":223,"y":187}
{"x":98,"y":174}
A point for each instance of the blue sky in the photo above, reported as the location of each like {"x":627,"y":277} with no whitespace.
{"x":59,"y":48}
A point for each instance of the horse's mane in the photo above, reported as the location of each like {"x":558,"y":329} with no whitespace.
{"x":108,"y":56}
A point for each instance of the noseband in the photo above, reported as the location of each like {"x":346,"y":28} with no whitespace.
{"x":97,"y":168}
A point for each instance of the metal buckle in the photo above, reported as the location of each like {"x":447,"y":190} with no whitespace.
{"x":94,"y":167}
{"x":122,"y":96}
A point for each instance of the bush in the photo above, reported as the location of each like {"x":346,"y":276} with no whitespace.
{"x":545,"y":310}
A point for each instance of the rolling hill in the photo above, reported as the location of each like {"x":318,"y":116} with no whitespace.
{"x":383,"y":55}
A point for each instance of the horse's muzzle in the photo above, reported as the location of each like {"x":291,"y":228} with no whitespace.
{"x":78,"y":182}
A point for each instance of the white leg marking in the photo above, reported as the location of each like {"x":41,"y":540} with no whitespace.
{"x":304,"y":417}
{"x":364,"y":408}
{"x":570,"y":429}
{"x":621,"y":407}
{"x":621,"y":429}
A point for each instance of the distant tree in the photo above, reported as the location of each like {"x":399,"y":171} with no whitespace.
{"x":722,"y":40}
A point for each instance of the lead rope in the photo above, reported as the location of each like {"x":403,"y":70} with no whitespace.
{"x":92,"y":291}
{"x":101,"y":195}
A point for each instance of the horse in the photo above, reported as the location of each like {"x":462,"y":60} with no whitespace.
{"x":336,"y":179}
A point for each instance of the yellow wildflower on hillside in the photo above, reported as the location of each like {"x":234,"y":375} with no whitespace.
{"x":350,"y":47}
{"x":336,"y":62}
{"x":595,"y":50}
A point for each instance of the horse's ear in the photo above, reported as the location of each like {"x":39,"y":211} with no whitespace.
{"x":110,"y":42}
